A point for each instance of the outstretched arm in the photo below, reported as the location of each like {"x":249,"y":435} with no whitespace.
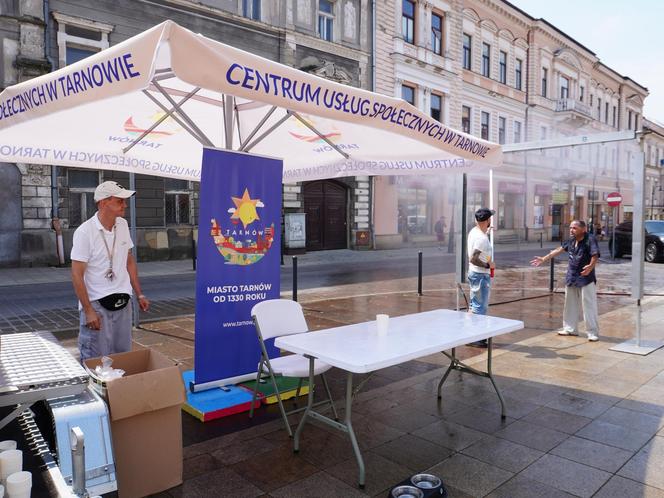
{"x":538,"y":260}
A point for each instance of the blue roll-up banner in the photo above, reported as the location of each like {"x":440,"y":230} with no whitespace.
{"x":239,"y":243}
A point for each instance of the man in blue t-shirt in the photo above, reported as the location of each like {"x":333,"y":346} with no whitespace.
{"x":580,"y":281}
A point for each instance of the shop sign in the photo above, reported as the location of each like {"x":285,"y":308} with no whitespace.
{"x":559,"y":198}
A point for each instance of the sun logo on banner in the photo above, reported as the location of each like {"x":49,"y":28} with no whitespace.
{"x":304,"y":133}
{"x":166,"y":128}
{"x":245,"y":241}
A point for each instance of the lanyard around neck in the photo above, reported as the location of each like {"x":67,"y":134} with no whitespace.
{"x":110,"y":251}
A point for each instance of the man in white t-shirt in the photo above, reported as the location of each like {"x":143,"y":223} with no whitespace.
{"x":104,"y":273}
{"x":480,"y":264}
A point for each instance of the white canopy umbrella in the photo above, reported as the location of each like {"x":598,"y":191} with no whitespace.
{"x":149,"y":104}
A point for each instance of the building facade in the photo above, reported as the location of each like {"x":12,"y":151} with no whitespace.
{"x":330,"y":38}
{"x":654,"y":158}
{"x":492,"y":70}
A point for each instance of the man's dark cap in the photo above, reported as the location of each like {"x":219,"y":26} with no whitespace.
{"x":483,"y":214}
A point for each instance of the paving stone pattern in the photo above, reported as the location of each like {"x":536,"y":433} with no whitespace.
{"x":582,"y":420}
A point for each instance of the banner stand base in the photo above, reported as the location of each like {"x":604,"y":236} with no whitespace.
{"x":637,"y":347}
{"x":216,"y":403}
{"x":221,"y":383}
{"x":287,"y":387}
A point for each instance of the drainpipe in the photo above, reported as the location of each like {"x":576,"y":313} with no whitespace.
{"x":372,"y":205}
{"x":54,"y":169}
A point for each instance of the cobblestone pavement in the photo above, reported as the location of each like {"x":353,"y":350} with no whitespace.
{"x":582,"y":420}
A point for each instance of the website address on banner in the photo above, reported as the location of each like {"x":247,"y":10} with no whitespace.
{"x":237,"y":324}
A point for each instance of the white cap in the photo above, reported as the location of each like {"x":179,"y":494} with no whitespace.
{"x":112,"y":189}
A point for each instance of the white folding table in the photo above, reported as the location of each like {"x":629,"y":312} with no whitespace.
{"x":359,"y":348}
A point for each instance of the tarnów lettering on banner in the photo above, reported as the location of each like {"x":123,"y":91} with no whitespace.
{"x":239,"y":241}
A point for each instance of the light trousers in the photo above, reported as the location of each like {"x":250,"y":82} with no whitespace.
{"x":581,"y":297}
{"x":113,"y":337}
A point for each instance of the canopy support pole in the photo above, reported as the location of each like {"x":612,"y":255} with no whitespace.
{"x":269,"y":113}
{"x":160,"y":120}
{"x":323,"y":137}
{"x":184,"y":125}
{"x":237,"y":122}
{"x":276,"y":125}
{"x":177,"y":107}
{"x":229,"y":106}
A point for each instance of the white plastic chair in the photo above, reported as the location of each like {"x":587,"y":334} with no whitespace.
{"x":276,"y":318}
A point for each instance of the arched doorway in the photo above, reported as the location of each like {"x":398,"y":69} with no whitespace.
{"x":10,"y":215}
{"x":325,"y":208}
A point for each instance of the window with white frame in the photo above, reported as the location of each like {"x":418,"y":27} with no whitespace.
{"x":467,"y":50}
{"x":545,"y":81}
{"x":436,"y":107}
{"x":518,"y":74}
{"x":582,"y":91}
{"x":502,"y":129}
{"x":484,"y":121}
{"x":465,"y":119}
{"x":408,"y":21}
{"x":79,"y":38}
{"x":486,"y":59}
{"x":408,"y":94}
{"x":517,"y":132}
{"x":176,"y":201}
{"x":82,"y":184}
{"x":437,"y":33}
{"x":564,"y":87}
{"x":325,"y":19}
{"x":502,"y":66}
{"x":251,"y":9}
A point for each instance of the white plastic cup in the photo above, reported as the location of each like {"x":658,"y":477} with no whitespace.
{"x":7,"y":445}
{"x":382,"y":324}
{"x":11,"y":461}
{"x":19,"y":485}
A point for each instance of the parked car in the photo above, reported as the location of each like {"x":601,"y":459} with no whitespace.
{"x":654,"y":240}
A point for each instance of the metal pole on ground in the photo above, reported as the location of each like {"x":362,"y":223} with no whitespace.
{"x":551,"y":274}
{"x":460,"y":248}
{"x":419,"y":273}
{"x":638,"y":345}
{"x":193,"y":250}
{"x":294,"y":278}
{"x":132,"y":219}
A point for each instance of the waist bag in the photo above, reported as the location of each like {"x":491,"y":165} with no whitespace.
{"x":114,"y":302}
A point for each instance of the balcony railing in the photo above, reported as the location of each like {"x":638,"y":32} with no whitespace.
{"x":563,"y":105}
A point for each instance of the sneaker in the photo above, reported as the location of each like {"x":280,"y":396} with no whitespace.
{"x":567,"y":332}
{"x":593,"y":337}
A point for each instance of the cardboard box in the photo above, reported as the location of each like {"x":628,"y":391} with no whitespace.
{"x":146,"y":422}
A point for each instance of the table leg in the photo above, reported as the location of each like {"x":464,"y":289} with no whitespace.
{"x":490,"y":375}
{"x":349,"y":427}
{"x":455,"y":364}
{"x":310,"y":403}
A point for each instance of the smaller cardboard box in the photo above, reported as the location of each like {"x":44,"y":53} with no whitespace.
{"x":146,"y":421}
